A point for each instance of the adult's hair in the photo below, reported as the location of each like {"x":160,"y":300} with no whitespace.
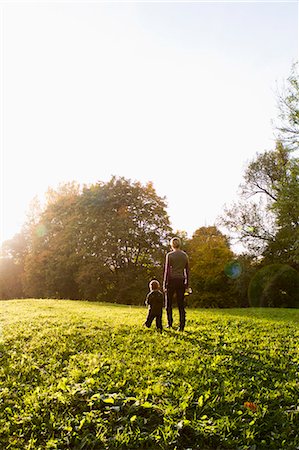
{"x":175,"y":242}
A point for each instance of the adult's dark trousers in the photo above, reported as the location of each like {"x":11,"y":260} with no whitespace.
{"x":153,"y":314}
{"x":176,"y":287}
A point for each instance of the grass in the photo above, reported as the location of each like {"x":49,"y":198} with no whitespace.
{"x":78,"y":375}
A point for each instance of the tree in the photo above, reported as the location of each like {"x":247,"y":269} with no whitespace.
{"x":285,"y":247}
{"x":15,"y":248}
{"x":275,"y":285}
{"x":52,"y":260}
{"x":209,"y":253}
{"x":124,"y":234}
{"x":12,"y":259}
{"x":288,"y":105}
{"x":266,"y":217}
{"x":246,"y":268}
{"x":10,"y":279}
{"x":13,"y":255}
{"x":253,"y":219}
{"x":102,"y":242}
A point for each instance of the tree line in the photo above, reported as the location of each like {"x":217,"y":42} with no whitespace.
{"x":106,"y":241}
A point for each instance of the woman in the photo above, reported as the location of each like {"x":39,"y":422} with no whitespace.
{"x":176,"y":280}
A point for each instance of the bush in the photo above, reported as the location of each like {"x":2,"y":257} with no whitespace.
{"x":212,"y":300}
{"x":276,"y":285}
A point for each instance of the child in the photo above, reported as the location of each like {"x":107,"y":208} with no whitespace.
{"x":154,"y":300}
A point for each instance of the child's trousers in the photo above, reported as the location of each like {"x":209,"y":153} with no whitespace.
{"x":151,"y":315}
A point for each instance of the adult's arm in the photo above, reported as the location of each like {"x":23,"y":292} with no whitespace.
{"x":187,"y":274}
{"x":166,"y":272}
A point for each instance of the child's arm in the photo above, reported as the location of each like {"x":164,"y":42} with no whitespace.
{"x":147,"y":301}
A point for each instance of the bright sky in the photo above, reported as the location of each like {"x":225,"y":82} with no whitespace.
{"x":180,"y":94}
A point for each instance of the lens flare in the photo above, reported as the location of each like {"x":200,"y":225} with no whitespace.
{"x":233,"y":270}
{"x":41,"y":230}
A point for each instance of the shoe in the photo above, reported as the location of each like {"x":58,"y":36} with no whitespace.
{"x":169,"y":326}
{"x":180,"y":329}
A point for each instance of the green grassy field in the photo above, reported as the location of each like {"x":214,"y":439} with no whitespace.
{"x":78,"y":375}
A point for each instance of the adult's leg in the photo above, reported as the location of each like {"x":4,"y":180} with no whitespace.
{"x":180,"y":291}
{"x":168,"y":304}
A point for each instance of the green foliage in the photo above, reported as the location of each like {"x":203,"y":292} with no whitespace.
{"x":265,"y":173}
{"x":276,"y":285}
{"x":288,"y":104}
{"x":12,"y":256}
{"x":240,"y":283}
{"x":285,"y":247}
{"x":266,"y":218}
{"x":125,"y":228}
{"x":209,"y":254}
{"x":85,"y":375}
{"x":52,"y":259}
{"x":10,"y":279}
{"x":255,"y":219}
{"x":104,"y":241}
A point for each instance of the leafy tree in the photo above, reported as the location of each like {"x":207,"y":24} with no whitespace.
{"x":275,"y":285}
{"x":12,"y":258}
{"x":103,"y":242}
{"x":209,"y":253}
{"x":124,"y":232}
{"x":252,"y":219}
{"x":13,"y":255}
{"x":266,"y":217}
{"x":285,"y":247}
{"x":288,"y":104}
{"x":15,"y":248}
{"x":52,"y":260}
{"x":10,"y":279}
{"x":247,"y":267}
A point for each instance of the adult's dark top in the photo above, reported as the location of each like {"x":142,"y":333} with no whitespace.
{"x":176,"y":267}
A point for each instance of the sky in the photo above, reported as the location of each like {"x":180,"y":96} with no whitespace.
{"x":182,"y":94}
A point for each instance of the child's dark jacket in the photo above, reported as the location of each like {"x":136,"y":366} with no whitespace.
{"x":155,"y":300}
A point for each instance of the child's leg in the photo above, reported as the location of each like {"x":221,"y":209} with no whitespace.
{"x":150,"y":318}
{"x":159,"y":321}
